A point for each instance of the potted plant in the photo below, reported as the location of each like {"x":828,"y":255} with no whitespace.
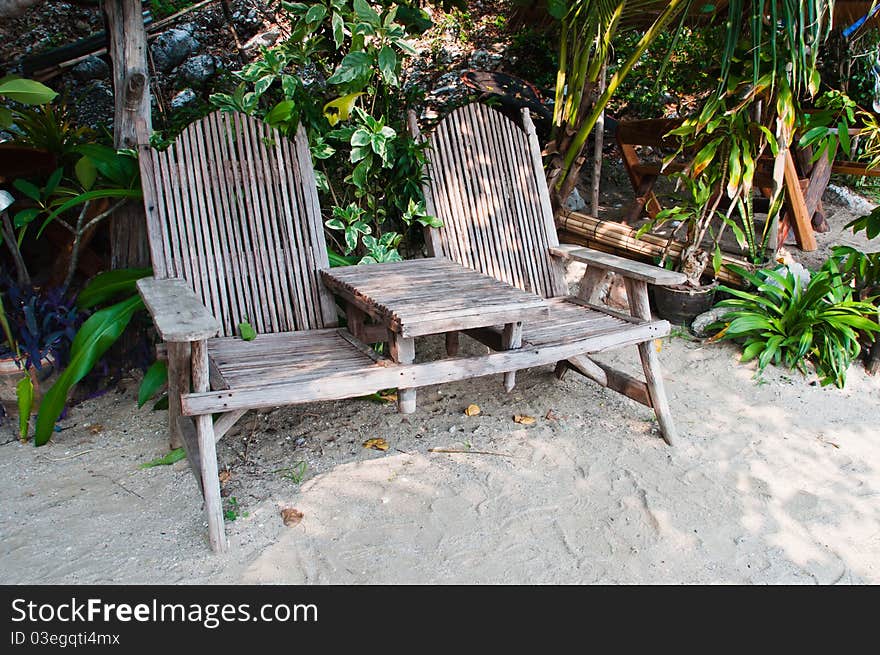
{"x":687,"y":250}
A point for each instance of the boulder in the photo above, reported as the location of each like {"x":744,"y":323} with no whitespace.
{"x":172,"y":48}
{"x":93,"y":68}
{"x":184,"y":98}
{"x":700,"y":326}
{"x":574,"y":202}
{"x":94,"y":105}
{"x":197,"y":71}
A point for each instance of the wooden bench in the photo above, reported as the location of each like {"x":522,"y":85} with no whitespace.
{"x":486,"y":182}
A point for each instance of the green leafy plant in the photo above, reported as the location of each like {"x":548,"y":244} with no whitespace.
{"x":826,"y":128}
{"x":339,"y":75}
{"x":100,"y":331}
{"x":870,"y":223}
{"x":233,"y":510}
{"x":786,"y":322}
{"x":295,"y":473}
{"x":26,"y":92}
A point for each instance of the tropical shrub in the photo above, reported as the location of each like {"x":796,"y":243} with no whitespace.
{"x":339,"y":74}
{"x":788,"y":321}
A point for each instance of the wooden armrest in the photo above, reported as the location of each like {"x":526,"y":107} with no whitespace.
{"x":626,"y":267}
{"x":178,"y":313}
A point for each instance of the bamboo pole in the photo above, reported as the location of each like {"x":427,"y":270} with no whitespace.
{"x":618,"y":238}
{"x":598,"y":143}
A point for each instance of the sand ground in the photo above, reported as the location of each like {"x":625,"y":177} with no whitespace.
{"x":773,"y":481}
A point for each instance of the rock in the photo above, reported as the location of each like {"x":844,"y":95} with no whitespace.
{"x":93,"y":104}
{"x":172,"y":48}
{"x":247,"y":24}
{"x":264,"y":40}
{"x":484,"y":60}
{"x":700,"y":326}
{"x":184,"y":98}
{"x":93,"y":68}
{"x":574,"y":202}
{"x":849,"y":199}
{"x":197,"y":71}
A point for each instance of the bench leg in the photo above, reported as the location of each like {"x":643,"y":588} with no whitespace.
{"x":403,"y":351}
{"x":208,"y":453}
{"x":178,"y":383}
{"x":511,"y":338}
{"x":452,"y":343}
{"x":637,"y":293}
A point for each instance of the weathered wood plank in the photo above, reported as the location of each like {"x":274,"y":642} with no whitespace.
{"x":621,"y":265}
{"x":374,"y":378}
{"x":178,"y":314}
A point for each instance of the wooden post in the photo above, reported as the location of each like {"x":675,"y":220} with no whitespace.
{"x":178,"y":383}
{"x":208,"y":452}
{"x":131,"y":89}
{"x":800,"y":219}
{"x":452,"y":343}
{"x":598,"y":142}
{"x":403,"y":351}
{"x":511,"y":338}
{"x":637,"y":294}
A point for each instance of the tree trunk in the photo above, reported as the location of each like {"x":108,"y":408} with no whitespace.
{"x":128,"y":53}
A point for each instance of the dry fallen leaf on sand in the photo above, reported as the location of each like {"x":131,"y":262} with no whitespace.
{"x":291,"y":516}
{"x":225,"y":476}
{"x":522,"y":419}
{"x":376,"y":444}
{"x":472,"y":410}
{"x":96,"y":428}
{"x":388,"y":397}
{"x":658,"y":345}
{"x":551,"y":415}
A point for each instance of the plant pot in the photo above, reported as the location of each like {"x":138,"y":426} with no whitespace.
{"x":10,"y":376}
{"x":681,"y":305}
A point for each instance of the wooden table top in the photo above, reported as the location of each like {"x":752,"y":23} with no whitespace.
{"x":433,"y":295}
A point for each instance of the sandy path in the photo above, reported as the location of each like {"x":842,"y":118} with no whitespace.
{"x":773,"y":482}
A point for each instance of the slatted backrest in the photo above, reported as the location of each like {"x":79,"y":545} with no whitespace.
{"x":486,"y":183}
{"x":232,"y":208}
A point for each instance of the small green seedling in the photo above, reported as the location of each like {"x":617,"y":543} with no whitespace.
{"x":233,"y":511}
{"x":294,"y":473}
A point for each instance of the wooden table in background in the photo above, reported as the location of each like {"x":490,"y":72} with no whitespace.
{"x":418,"y":297}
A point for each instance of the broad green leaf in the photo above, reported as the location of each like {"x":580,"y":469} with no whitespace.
{"x":86,"y":172}
{"x":110,"y":285}
{"x":5,"y":118}
{"x":812,"y":136}
{"x":354,"y":66}
{"x":338,"y":26}
{"x":705,"y":156}
{"x":27,"y":92}
{"x":557,"y":8}
{"x":24,"y":392}
{"x":366,"y":13}
{"x":174,"y":456}
{"x":247,"y":331}
{"x":340,"y":109}
{"x":26,"y":216}
{"x":388,"y":66}
{"x":280,"y":113}
{"x":88,"y":196}
{"x":29,"y":189}
{"x":843,"y":137}
{"x":94,"y":337}
{"x":316,"y":14}
{"x":155,"y":378}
